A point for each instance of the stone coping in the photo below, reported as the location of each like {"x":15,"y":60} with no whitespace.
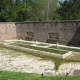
{"x":6,"y":43}
{"x":49,"y":44}
{"x":61,"y":21}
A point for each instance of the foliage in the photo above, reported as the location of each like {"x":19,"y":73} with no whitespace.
{"x":26,"y":10}
{"x":69,"y":10}
{"x":2,"y":9}
{"x":51,"y":8}
{"x":39,"y":10}
{"x":53,"y":14}
{"x":21,"y":10}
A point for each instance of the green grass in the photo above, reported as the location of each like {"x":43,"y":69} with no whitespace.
{"x":53,"y":47}
{"x":1,"y":46}
{"x":42,"y":44}
{"x":5,"y":75}
{"x":27,"y":43}
{"x":65,"y":48}
{"x":41,"y":49}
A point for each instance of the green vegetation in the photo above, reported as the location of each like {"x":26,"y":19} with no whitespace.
{"x":39,"y":10}
{"x":66,"y":48}
{"x":5,"y":75}
{"x":29,"y":43}
{"x":69,"y":10}
{"x":26,"y":10}
{"x":40,"y":48}
{"x":1,"y":46}
{"x":42,"y":44}
{"x":21,"y":10}
{"x":21,"y":42}
{"x":50,"y":47}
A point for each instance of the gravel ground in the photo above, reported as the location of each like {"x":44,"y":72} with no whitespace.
{"x":19,"y":62}
{"x":68,"y":68}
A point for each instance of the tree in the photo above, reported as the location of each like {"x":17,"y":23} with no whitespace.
{"x":26,"y":10}
{"x":69,"y":10}
{"x":2,"y":9}
{"x":23,"y":10}
{"x":51,"y":7}
{"x":34,"y":11}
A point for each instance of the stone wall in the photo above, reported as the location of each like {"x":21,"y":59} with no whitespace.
{"x":63,"y":32}
{"x":7,"y":30}
{"x":68,"y":31}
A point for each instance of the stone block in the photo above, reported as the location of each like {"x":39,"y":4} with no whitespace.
{"x":49,"y":72}
{"x":74,"y":72}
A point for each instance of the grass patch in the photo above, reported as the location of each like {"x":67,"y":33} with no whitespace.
{"x":65,"y":48}
{"x":1,"y":46}
{"x":41,"y":49}
{"x":21,"y":42}
{"x":42,"y":44}
{"x":5,"y":75}
{"x":29,"y":43}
